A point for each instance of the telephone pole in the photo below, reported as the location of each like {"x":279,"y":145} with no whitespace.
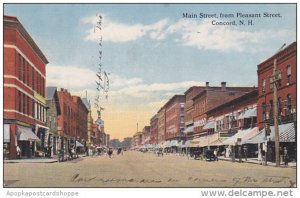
{"x":276,"y":78}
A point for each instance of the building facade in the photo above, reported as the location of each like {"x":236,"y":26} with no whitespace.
{"x":67,"y":126}
{"x":52,"y":101}
{"x":175,"y":117}
{"x":286,"y":86}
{"x":210,"y":98}
{"x":154,"y":129}
{"x":89,"y":122}
{"x":189,"y":107}
{"x":24,"y":91}
{"x":81,"y":120}
{"x":161,"y":116}
{"x":146,"y":135}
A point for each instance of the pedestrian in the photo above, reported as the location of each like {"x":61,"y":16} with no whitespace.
{"x":216,"y":154}
{"x":110,"y":152}
{"x":285,"y":156}
{"x":245,"y":152}
{"x":70,"y":152}
{"x":18,"y":152}
{"x":240,"y":153}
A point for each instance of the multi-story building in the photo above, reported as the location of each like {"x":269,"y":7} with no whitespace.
{"x":89,"y":122}
{"x":137,"y":139}
{"x":107,"y":140}
{"x":154,"y":129}
{"x":67,"y":120}
{"x":175,"y":117}
{"x":94,"y":137}
{"x":24,"y":91}
{"x":189,"y":107}
{"x":286,"y":67}
{"x":146,"y":135}
{"x":53,"y":112}
{"x":211,"y":97}
{"x":82,"y":112}
{"x":161,"y":116}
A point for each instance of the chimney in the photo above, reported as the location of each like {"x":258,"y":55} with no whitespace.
{"x":207,"y":84}
{"x":223,"y":86}
{"x":61,"y":89}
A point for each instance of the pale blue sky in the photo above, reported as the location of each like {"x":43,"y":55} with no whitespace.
{"x":150,"y":51}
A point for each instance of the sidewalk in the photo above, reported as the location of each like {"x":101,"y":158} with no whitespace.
{"x":255,"y":161}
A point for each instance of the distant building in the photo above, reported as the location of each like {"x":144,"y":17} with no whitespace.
{"x":189,"y":107}
{"x":81,"y":120}
{"x":89,"y":122}
{"x":24,"y":88}
{"x":146,"y":135}
{"x":211,"y":97}
{"x":67,"y":126}
{"x":137,"y":139}
{"x":107,"y":140}
{"x":154,"y":129}
{"x":175,"y":117}
{"x":161,"y":116}
{"x":53,"y":112}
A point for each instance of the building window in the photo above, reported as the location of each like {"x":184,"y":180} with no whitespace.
{"x":264,"y":115}
{"x":38,"y":111}
{"x":33,"y":109}
{"x":263,"y":86}
{"x":271,"y":109}
{"x":288,"y":104}
{"x":28,"y":74}
{"x":20,"y":67}
{"x":24,"y":70}
{"x":279,"y":105}
{"x":227,"y":122}
{"x":288,"y":74}
{"x":19,"y":101}
{"x":271,"y":82}
{"x":32,"y":69}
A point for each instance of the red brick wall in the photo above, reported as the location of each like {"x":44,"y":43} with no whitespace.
{"x":286,"y":57}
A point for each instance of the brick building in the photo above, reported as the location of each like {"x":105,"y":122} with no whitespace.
{"x":53,"y":112}
{"x":137,"y":139}
{"x":89,"y":122}
{"x":211,"y":97}
{"x":81,"y":120}
{"x":189,"y":107}
{"x":174,"y":117}
{"x":67,"y":120}
{"x":161,"y":116}
{"x":24,"y":91}
{"x":154,"y":129}
{"x":146,"y":135}
{"x":287,"y":91}
{"x":227,"y":118}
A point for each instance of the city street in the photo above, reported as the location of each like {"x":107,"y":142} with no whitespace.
{"x":135,"y":169}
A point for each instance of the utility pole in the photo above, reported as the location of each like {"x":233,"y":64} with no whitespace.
{"x":276,"y":77}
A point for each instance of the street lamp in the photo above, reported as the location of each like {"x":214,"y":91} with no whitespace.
{"x":276,"y":77}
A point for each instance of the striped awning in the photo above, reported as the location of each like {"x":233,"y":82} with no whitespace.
{"x":26,"y":134}
{"x":209,"y":125}
{"x":244,"y":135}
{"x":286,"y":134}
{"x":189,"y":129}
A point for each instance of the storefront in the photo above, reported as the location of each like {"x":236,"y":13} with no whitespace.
{"x":26,"y":140}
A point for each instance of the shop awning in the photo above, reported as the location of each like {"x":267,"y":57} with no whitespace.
{"x":194,"y":143}
{"x":209,"y":125}
{"x":186,"y":144}
{"x":286,"y":134}
{"x":250,"y":113}
{"x":208,"y":139}
{"x":244,"y":135}
{"x":218,"y":142}
{"x":78,"y":144}
{"x":6,"y":136}
{"x":173,"y":143}
{"x":26,"y":134}
{"x":189,"y":129}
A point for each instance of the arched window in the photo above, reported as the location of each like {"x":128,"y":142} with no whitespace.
{"x":288,"y":74}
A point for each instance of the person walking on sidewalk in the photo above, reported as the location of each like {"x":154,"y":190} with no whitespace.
{"x":245,"y":152}
{"x":285,"y":156}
